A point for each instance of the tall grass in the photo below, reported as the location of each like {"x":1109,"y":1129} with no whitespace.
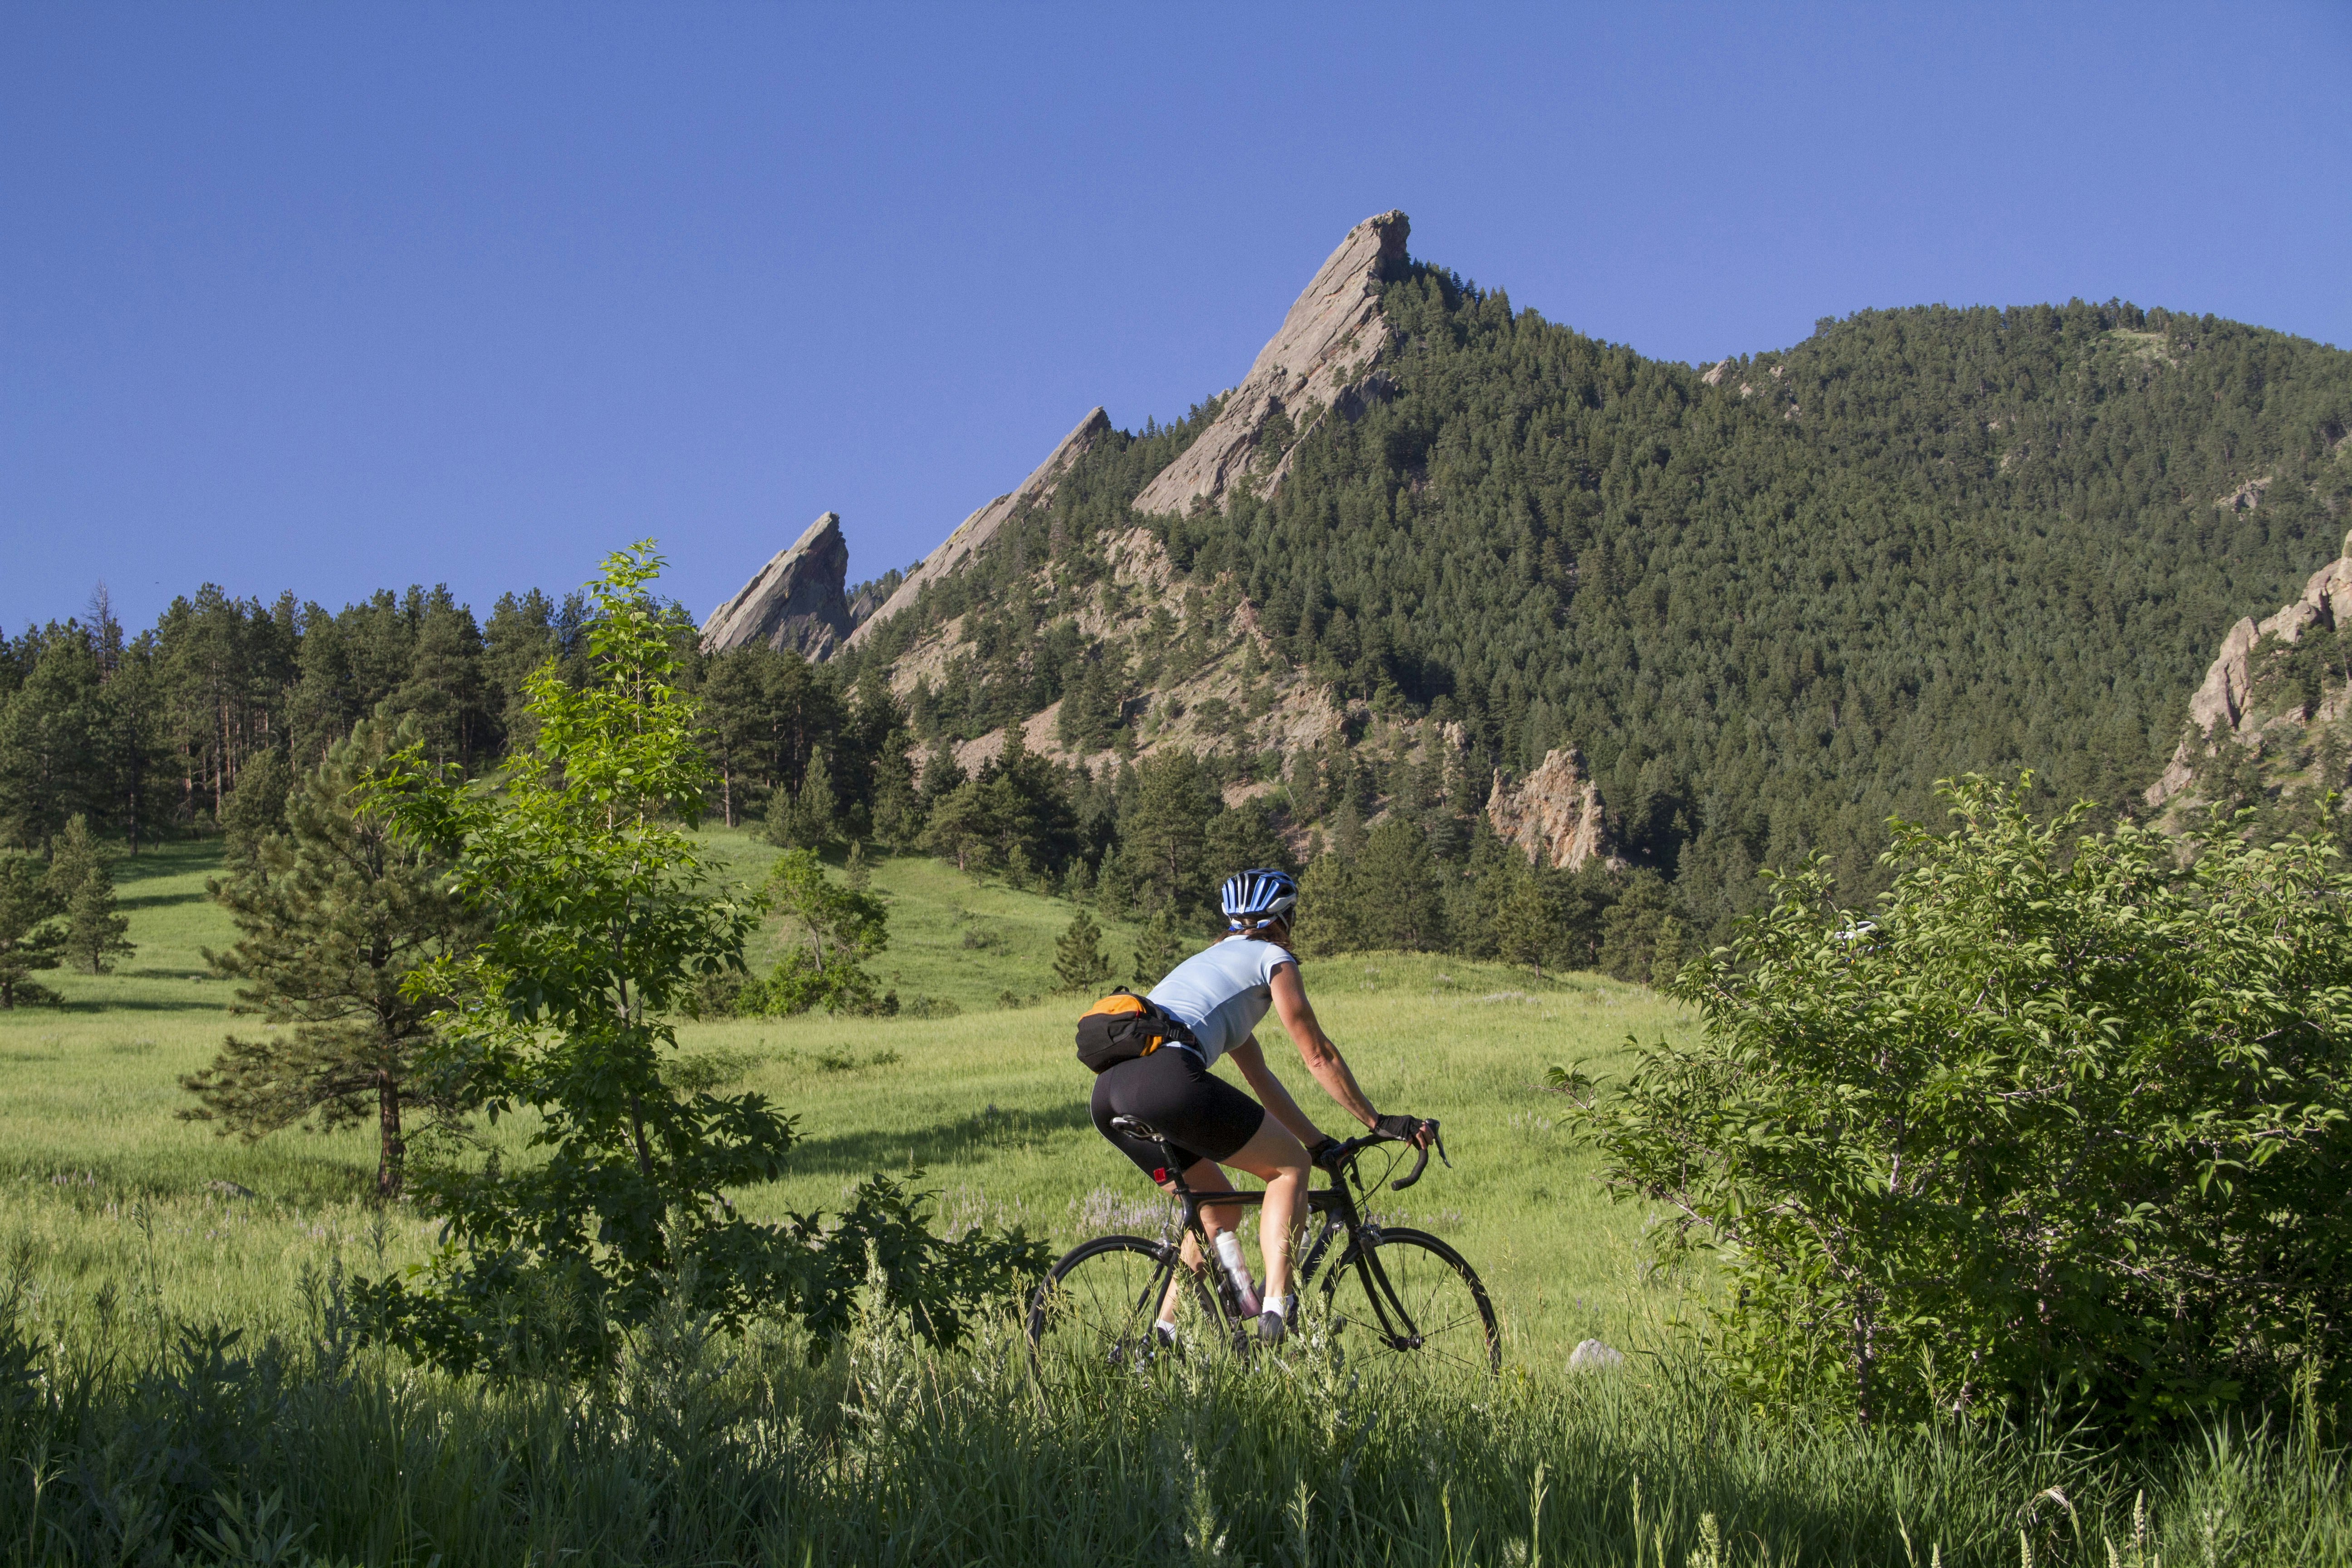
{"x":212,"y":1447}
{"x":179,"y":1380}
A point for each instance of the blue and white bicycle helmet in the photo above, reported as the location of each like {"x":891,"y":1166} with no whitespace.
{"x":1260,"y":894}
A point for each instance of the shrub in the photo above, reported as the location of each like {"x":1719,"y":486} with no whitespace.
{"x":2066,"y":1113}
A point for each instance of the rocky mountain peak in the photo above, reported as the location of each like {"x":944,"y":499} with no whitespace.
{"x":794,"y":602}
{"x":982,"y":525}
{"x":1317,"y":361}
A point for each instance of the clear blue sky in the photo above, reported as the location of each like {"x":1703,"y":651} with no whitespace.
{"x":333,"y":297}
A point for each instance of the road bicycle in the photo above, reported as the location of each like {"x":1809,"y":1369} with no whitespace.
{"x":1392,"y":1291}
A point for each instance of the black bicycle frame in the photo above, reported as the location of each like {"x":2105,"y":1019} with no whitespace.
{"x":1337,"y":1204}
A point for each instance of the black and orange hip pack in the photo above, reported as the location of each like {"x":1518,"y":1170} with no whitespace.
{"x":1123,"y":1026}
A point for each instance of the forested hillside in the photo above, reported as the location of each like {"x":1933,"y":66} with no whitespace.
{"x":1769,"y":602}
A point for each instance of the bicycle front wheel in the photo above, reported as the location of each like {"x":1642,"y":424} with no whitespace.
{"x":1097,"y":1307}
{"x":1406,"y":1294}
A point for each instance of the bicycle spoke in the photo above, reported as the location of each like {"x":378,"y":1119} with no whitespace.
{"x":1097,"y":1310}
{"x":1411,"y":1295}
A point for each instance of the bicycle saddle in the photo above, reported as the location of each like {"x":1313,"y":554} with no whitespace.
{"x":1135,"y":1126}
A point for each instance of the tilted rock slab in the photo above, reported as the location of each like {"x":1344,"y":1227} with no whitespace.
{"x":1554,"y":815}
{"x":794,"y":602}
{"x":2219,"y":709}
{"x":982,"y":525}
{"x":1316,"y":361}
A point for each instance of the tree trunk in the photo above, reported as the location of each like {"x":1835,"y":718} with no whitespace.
{"x":392,"y":1150}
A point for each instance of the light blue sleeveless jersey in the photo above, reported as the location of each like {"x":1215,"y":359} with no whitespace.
{"x":1222,"y":991}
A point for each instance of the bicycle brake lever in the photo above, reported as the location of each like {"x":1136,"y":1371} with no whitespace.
{"x":1439,"y":1139}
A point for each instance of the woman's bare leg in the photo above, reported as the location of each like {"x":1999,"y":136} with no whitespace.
{"x":1203,"y":1178}
{"x":1278,"y":1159}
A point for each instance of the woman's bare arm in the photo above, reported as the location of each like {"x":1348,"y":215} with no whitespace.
{"x":1271,"y":1092}
{"x":1315,"y":1047}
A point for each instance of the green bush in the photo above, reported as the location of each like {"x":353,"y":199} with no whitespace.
{"x":2065,"y":1114}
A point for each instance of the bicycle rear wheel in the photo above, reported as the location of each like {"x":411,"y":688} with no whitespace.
{"x":1409,"y":1295}
{"x":1097,"y":1307}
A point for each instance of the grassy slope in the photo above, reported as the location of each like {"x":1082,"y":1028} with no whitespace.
{"x":98,"y":1175}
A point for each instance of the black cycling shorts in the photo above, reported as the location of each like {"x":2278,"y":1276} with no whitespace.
{"x":1204,"y":1117}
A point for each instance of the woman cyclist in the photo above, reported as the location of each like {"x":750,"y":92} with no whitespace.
{"x":1221,"y":995}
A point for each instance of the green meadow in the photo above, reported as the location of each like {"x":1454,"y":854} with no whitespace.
{"x":988,"y":1103}
{"x":177,"y":1384}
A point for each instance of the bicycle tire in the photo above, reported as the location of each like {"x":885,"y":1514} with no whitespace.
{"x":1096,"y":1307}
{"x":1445,"y":1313}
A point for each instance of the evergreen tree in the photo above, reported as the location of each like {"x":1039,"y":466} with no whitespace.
{"x":95,"y":930}
{"x":1347,"y":831}
{"x":1158,"y":949}
{"x":1091,"y":708}
{"x":1165,"y":831}
{"x":1632,"y":928}
{"x":257,"y":806}
{"x":48,"y":751}
{"x":1526,"y":926}
{"x":895,"y":806}
{"x":1241,"y":838}
{"x":736,"y":724}
{"x":1399,"y":903}
{"x":961,"y":826}
{"x":816,"y":809}
{"x":30,"y":938}
{"x":334,"y":916}
{"x":1080,"y":964}
{"x":1326,"y":920}
{"x":804,"y":818}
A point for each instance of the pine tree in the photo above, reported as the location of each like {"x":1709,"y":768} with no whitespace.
{"x":961,"y":825}
{"x":1159,"y":948}
{"x":1526,"y":927}
{"x":95,"y":932}
{"x":816,"y":811}
{"x":1326,"y":920}
{"x":1165,"y":830}
{"x":257,"y":806}
{"x":1630,"y":928}
{"x":1080,"y":962}
{"x":1666,"y":954}
{"x":334,"y":913}
{"x":30,"y":939}
{"x":1398,"y":900}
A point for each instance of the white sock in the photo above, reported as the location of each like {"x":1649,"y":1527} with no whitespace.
{"x":1165,"y":1327}
{"x":1279,"y":1306}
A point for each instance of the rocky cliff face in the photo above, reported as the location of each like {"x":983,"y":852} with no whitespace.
{"x":1319,"y":361}
{"x":982,"y":525}
{"x":794,"y":602}
{"x":1554,"y":815}
{"x":2225,"y":708}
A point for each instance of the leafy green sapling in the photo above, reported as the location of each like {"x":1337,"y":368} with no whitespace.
{"x":604,"y":915}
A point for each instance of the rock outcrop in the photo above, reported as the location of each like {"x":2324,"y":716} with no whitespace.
{"x":2218,"y":711}
{"x":982,"y":525}
{"x":1317,"y":361}
{"x":794,"y":602}
{"x":1554,"y":815}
